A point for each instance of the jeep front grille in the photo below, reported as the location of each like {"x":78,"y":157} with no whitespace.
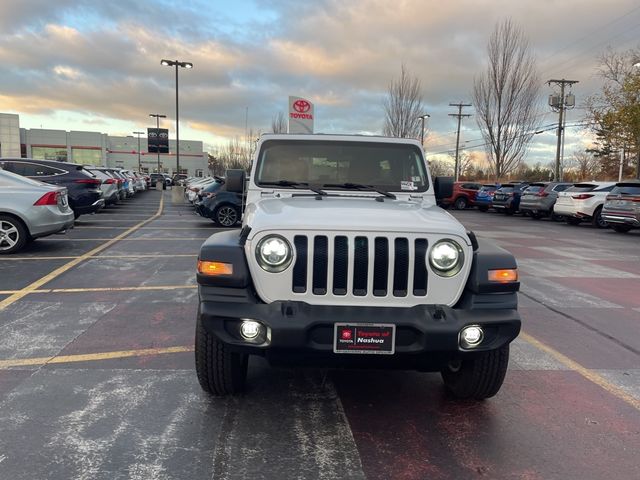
{"x":360,"y":266}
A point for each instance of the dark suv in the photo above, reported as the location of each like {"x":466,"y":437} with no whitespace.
{"x":507,"y":198}
{"x":221,"y":206}
{"x":83,"y":189}
{"x":464,"y":195}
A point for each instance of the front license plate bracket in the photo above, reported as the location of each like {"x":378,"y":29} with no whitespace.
{"x":364,"y":338}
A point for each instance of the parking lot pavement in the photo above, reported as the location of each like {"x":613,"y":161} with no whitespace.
{"x":97,"y":378}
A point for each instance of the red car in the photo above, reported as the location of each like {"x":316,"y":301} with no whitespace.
{"x":464,"y":195}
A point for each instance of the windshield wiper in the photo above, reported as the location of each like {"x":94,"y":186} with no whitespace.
{"x":359,"y":186}
{"x":289,"y":183}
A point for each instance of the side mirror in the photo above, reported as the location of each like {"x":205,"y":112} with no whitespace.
{"x":443,"y":187}
{"x":235,"y":180}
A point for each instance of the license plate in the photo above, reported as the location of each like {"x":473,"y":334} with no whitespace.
{"x":364,"y":338}
{"x":63,"y":200}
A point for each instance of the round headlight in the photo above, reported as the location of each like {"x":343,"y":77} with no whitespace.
{"x":446,"y":258}
{"x":273,"y":253}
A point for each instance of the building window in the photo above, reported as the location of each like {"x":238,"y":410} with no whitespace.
{"x":199,"y":173}
{"x":85,"y":156}
{"x":49,"y":153}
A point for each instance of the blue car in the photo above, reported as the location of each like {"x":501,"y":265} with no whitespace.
{"x":484,"y":197}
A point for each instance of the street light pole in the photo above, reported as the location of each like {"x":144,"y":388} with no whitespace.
{"x":177,"y":63}
{"x":139,"y":162}
{"x":422,"y":117}
{"x":158,"y":116}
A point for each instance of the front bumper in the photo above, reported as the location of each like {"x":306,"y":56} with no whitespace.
{"x":426,"y":335}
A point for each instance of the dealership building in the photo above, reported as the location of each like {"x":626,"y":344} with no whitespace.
{"x":94,"y":148}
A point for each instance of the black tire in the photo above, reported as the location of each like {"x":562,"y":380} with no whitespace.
{"x":621,"y":228}
{"x":557,"y":218}
{"x":226,"y":215}
{"x":13,"y":235}
{"x":220,"y":370}
{"x":572,"y":220}
{"x":483,"y":209}
{"x":536,"y":215}
{"x":479,"y":378}
{"x":597,"y":219}
{"x":460,"y":203}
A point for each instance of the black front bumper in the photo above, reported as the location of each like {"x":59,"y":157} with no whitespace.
{"x":426,"y":335}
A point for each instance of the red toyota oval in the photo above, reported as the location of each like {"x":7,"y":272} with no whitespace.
{"x":301,"y":106}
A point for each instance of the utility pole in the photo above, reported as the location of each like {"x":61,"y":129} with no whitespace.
{"x":560,"y":103}
{"x":422,"y":117}
{"x":459,"y":115}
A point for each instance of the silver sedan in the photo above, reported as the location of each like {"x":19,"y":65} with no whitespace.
{"x":30,"y":209}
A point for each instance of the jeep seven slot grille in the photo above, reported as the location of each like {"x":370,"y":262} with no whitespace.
{"x":360,"y":266}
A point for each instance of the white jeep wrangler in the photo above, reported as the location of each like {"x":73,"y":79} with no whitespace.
{"x":344,"y":260}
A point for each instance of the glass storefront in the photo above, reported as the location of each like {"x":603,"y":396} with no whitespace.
{"x":49,"y":153}
{"x":85,"y":156}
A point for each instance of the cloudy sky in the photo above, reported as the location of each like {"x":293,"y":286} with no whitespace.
{"x":95,"y":65}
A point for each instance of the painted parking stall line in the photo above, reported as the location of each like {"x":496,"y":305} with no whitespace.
{"x":68,"y":266}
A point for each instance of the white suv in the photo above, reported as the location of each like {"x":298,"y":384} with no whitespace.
{"x":344,"y":259}
{"x":583,"y":202}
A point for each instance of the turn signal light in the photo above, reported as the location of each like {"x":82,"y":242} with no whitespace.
{"x":503,"y":276}
{"x":214,"y":268}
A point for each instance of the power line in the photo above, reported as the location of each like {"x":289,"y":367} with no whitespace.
{"x":591,"y":32}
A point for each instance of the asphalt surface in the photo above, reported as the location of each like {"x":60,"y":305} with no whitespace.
{"x":97,"y":377}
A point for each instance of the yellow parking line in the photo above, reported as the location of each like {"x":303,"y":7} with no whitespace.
{"x":585,"y":372}
{"x":133,"y":255}
{"x":69,"y":265}
{"x":88,"y":357}
{"x":147,"y":228}
{"x":104,"y":289}
{"x":146,"y":239}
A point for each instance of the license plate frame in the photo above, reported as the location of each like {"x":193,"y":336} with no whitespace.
{"x":364,"y":338}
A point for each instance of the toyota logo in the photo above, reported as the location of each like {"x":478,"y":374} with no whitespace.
{"x":301,"y":106}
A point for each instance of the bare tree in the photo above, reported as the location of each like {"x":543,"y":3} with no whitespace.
{"x":278,"y":123}
{"x":585,"y":164}
{"x":403,"y":106}
{"x":505,"y":98}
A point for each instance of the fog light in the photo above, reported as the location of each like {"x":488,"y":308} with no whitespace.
{"x":471,"y":336}
{"x":250,"y":329}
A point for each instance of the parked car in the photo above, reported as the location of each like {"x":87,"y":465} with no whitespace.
{"x":30,"y":209}
{"x":507,"y":198}
{"x":484,"y":197}
{"x":83,"y":189}
{"x":583,"y":202}
{"x":621,"y":210}
{"x":178,"y":179}
{"x":158,"y":177}
{"x":109,"y":185}
{"x":221,"y":206}
{"x":538,"y":199}
{"x":464,"y":195}
{"x":123,"y":182}
{"x":192,"y":191}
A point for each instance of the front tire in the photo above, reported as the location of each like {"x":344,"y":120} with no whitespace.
{"x":572,"y":220}
{"x":13,"y":235}
{"x":483,"y":209}
{"x":478,"y":378}
{"x":220,"y":370}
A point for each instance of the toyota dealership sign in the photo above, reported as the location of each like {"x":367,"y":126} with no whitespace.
{"x":300,"y":115}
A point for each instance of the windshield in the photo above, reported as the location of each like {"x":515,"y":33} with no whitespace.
{"x":387,"y":166}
